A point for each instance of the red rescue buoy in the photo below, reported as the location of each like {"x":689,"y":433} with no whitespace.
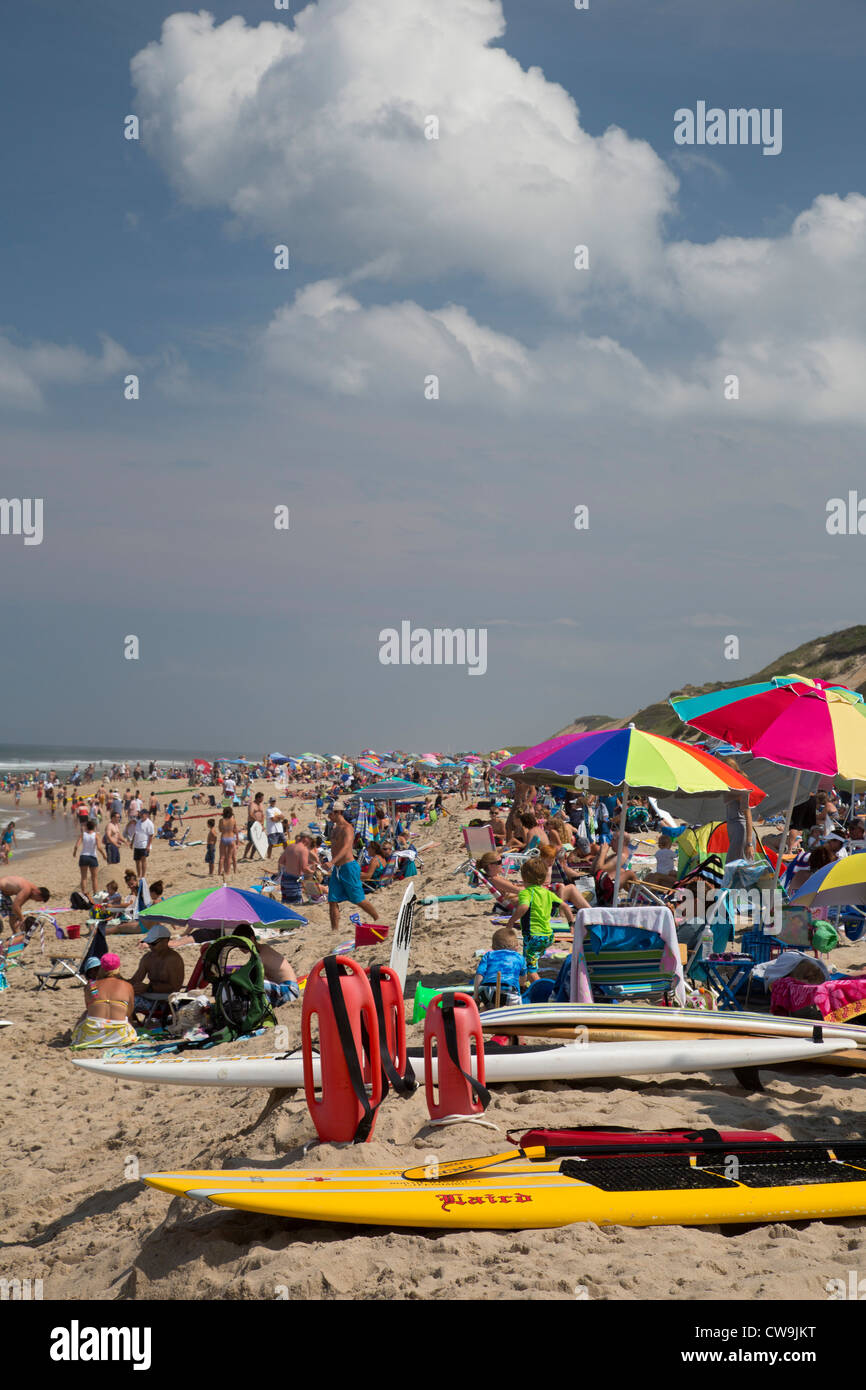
{"x":452,"y":1022}
{"x":391,"y":1010}
{"x":339,"y":999}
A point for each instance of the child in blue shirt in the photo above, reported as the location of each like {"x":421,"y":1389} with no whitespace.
{"x":506,"y":961}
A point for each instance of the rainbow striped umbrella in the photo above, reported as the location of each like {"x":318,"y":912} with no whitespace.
{"x":632,"y":758}
{"x":798,"y":722}
{"x":807,"y":724}
{"x":628,"y":758}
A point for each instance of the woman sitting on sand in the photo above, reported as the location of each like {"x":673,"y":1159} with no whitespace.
{"x":374,"y":868}
{"x":109,"y":1001}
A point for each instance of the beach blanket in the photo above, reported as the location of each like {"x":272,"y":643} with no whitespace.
{"x":103,"y":1032}
{"x":654,"y":919}
{"x":836,"y":1000}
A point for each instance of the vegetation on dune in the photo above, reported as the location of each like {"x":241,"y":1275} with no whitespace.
{"x":839,"y":657}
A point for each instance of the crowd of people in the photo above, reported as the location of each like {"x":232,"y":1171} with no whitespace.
{"x":554,"y":852}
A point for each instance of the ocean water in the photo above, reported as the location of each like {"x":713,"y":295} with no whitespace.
{"x":24,"y":757}
{"x":35,"y":830}
{"x":38,"y":830}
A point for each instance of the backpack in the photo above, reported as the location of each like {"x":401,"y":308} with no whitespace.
{"x":240,"y":1004}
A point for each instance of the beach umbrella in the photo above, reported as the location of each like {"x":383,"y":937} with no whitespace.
{"x":203,"y":764}
{"x":219,"y":907}
{"x":278,"y":758}
{"x":628,"y":758}
{"x":397,"y":790}
{"x":839,"y":883}
{"x":796,"y":721}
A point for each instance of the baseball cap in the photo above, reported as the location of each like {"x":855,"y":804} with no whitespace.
{"x":92,"y":963}
{"x":157,"y":933}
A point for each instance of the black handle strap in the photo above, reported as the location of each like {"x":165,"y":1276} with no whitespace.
{"x":406,"y":1084}
{"x":480,"y":1092}
{"x":350,"y":1051}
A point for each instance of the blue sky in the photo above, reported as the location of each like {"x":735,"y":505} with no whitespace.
{"x":156,"y":257}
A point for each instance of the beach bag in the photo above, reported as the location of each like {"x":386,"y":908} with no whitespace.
{"x":240,"y":1004}
{"x":78,"y":902}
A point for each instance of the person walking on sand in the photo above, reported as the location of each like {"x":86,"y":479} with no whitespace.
{"x":112,"y":839}
{"x":87,"y":847}
{"x":228,"y":842}
{"x":210,"y":847}
{"x":344,"y":884}
{"x":142,"y":838}
{"x":8,"y":842}
{"x":255,"y":813}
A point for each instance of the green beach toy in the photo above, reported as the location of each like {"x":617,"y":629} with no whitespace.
{"x":422,"y":997}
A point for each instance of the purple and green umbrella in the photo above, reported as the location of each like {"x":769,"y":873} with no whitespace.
{"x":220,"y":907}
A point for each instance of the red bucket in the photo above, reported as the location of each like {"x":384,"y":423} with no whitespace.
{"x":73,"y":931}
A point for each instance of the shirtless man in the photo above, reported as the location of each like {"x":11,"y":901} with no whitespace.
{"x":256,"y":813}
{"x":281,"y":982}
{"x":344,"y":884}
{"x":497,"y":825}
{"x":16,"y":891}
{"x":161,"y":969}
{"x":295,"y":869}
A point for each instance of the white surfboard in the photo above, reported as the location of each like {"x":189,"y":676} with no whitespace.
{"x":259,"y":839}
{"x":401,"y":942}
{"x":538,"y":1016}
{"x":570,"y":1062}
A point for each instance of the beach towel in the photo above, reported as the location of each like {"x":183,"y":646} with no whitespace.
{"x":103,"y":1032}
{"x":837,"y":1001}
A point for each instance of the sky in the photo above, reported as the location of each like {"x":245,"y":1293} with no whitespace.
{"x":411,"y":258}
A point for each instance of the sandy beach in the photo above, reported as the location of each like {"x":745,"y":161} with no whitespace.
{"x":75,"y":1215}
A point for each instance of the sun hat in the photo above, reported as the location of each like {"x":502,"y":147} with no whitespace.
{"x":110,"y":961}
{"x":92,"y":963}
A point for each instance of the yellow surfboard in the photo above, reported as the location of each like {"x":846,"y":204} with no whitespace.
{"x":786,"y":1183}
